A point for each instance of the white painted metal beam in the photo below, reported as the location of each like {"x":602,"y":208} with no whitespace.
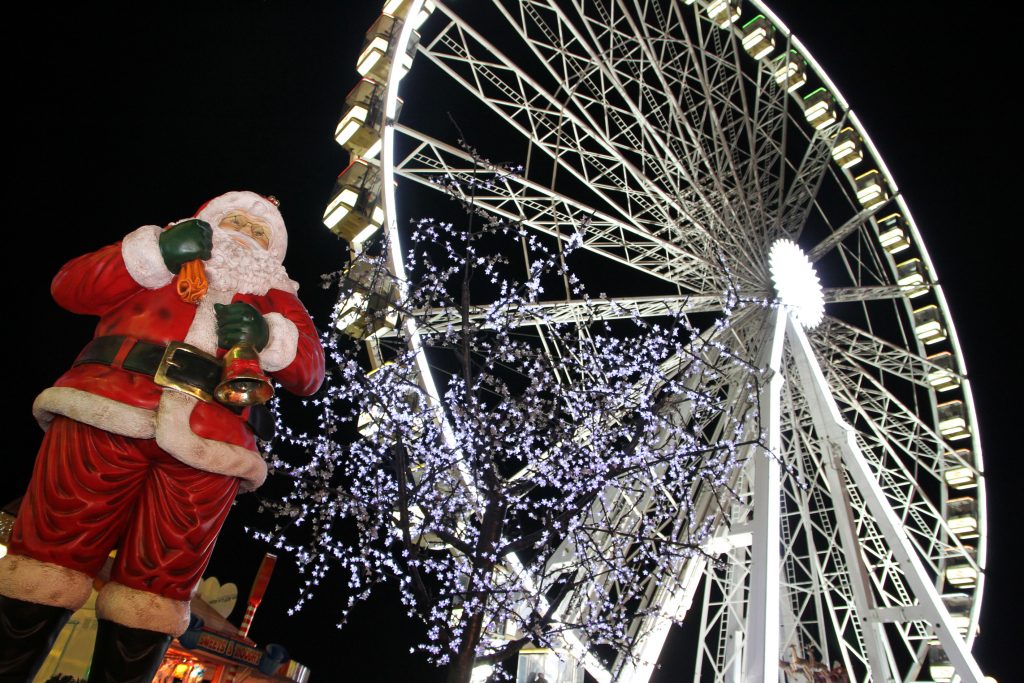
{"x":842,"y":434}
{"x":761,"y":659}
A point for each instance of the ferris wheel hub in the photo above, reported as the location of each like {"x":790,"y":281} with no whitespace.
{"x":796,"y":283}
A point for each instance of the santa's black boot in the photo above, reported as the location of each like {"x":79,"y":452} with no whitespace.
{"x":27,"y":632}
{"x":126,"y":655}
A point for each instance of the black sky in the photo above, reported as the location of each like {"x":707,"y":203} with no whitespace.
{"x":122,"y":114}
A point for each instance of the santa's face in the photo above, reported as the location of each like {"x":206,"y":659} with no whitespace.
{"x":241,"y":260}
{"x":249,"y":231}
{"x":249,"y":242}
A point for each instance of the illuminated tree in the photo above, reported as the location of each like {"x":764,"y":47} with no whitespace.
{"x":548,"y":478}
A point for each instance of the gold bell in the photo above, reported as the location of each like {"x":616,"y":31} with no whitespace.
{"x":242,"y":382}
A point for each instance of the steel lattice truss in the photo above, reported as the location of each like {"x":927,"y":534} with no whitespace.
{"x":648,"y":128}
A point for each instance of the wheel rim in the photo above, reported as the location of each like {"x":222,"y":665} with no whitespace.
{"x":684,"y":158}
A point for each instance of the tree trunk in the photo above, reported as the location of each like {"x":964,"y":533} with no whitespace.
{"x":461,"y":669}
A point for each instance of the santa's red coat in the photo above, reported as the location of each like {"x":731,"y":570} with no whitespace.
{"x":99,"y":284}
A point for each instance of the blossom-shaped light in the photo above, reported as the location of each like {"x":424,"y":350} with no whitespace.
{"x":796,"y":283}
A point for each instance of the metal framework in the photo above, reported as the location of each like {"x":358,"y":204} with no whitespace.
{"x":682,"y":141}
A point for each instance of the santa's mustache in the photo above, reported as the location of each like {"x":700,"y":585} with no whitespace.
{"x":235,"y":267}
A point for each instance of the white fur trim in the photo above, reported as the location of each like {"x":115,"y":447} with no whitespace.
{"x":282,"y":344}
{"x":202,"y":333}
{"x":43,"y":583}
{"x":255,"y":205}
{"x":169,"y":425}
{"x":98,"y":411}
{"x":174,"y":436}
{"x":140,"y":250}
{"x":142,"y":609}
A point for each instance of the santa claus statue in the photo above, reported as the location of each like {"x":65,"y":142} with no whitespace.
{"x":139,"y":455}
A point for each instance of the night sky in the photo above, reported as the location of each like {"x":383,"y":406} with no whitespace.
{"x":121,"y":115}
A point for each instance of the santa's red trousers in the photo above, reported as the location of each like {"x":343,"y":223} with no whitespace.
{"x":93,"y":491}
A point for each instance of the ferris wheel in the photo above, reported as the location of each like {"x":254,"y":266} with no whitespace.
{"x":703,"y":150}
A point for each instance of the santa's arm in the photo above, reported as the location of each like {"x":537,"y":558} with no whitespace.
{"x":92,"y":283}
{"x":293,"y":354}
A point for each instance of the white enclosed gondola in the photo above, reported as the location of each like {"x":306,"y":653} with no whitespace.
{"x":368,"y":307}
{"x":958,"y":473}
{"x":820,"y":109}
{"x":893,"y":233}
{"x":943,"y":376}
{"x":912,"y":278}
{"x":758,"y":37}
{"x":847,"y":148}
{"x":354,"y":212}
{"x":953,"y":424}
{"x":871,"y":188}
{"x":962,"y":517}
{"x":358,"y":132}
{"x":790,"y":70}
{"x":724,"y":12}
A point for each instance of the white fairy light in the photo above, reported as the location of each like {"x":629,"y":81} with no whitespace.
{"x":551,"y":435}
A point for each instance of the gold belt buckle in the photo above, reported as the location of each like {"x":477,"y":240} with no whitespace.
{"x":169,"y":361}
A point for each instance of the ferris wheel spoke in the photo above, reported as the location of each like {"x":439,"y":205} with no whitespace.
{"x":775,"y":133}
{"x":838,"y":337}
{"x":895,"y":424}
{"x":660,"y":605}
{"x":572,"y":142}
{"x":605,"y":167}
{"x":719,"y":78}
{"x":575,"y":141}
{"x":767,"y":131}
{"x":642,"y":43}
{"x":863,"y":259}
{"x":835,"y":295}
{"x":721,"y":129}
{"x":852,"y":225}
{"x":599,"y":89}
{"x":806,"y":183}
{"x":649,"y":632}
{"x":550,"y":212}
{"x":889,"y":423}
{"x":649,"y":627}
{"x":621,"y":64}
{"x":722,"y":185}
{"x":546,"y":313}
{"x":623,"y":515}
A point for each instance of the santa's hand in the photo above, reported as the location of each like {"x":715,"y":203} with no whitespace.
{"x":186,"y":241}
{"x":238,"y":323}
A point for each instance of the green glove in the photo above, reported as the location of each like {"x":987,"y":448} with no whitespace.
{"x":184,"y":242}
{"x":238,"y":323}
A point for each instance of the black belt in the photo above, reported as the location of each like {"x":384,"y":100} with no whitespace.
{"x":178,"y":365}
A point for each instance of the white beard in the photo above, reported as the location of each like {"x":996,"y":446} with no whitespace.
{"x":236,"y":268}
